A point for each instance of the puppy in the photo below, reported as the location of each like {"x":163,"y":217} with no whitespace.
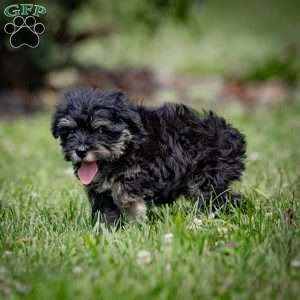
{"x":129,"y":156}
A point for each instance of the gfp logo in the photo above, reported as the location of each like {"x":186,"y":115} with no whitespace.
{"x":24,"y":30}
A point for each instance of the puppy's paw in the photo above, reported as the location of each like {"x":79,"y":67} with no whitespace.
{"x":136,"y":210}
{"x":132,"y":206}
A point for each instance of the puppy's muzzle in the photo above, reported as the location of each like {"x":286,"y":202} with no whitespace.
{"x":82,"y":153}
{"x":90,"y":155}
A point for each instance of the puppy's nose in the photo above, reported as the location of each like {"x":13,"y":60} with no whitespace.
{"x":81,"y":153}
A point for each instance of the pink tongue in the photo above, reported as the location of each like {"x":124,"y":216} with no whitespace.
{"x":87,"y":172}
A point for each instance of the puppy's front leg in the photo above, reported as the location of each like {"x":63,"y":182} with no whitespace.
{"x":133,"y":206}
{"x":103,"y":203}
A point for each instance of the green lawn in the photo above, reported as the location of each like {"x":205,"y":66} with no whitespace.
{"x":49,"y":249}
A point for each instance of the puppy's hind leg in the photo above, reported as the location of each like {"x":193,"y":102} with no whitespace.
{"x":210,"y":198}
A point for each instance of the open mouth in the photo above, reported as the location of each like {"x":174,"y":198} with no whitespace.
{"x":87,"y":171}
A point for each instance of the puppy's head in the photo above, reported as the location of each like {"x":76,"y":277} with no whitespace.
{"x":95,"y":127}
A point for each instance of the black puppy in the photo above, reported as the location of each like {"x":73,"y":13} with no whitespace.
{"x":129,"y":156}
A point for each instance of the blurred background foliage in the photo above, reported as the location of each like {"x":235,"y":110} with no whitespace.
{"x":141,"y":46}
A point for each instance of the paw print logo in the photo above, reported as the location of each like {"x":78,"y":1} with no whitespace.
{"x":24,"y":32}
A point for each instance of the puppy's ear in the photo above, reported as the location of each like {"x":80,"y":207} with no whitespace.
{"x":56,"y":119}
{"x":59,"y":113}
{"x":54,"y":125}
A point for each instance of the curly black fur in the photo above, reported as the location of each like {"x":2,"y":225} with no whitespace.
{"x":147,"y":155}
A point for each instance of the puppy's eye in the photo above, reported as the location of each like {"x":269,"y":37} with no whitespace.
{"x":68,"y":131}
{"x":102,"y":130}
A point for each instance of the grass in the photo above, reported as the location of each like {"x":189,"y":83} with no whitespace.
{"x":49,"y":248}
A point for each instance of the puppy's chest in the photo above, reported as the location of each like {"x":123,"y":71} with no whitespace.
{"x":104,"y":184}
{"x":112,"y":182}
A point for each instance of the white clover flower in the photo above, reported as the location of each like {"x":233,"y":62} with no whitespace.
{"x":7,"y":253}
{"x":168,"y":237}
{"x":211,"y":216}
{"x":295,"y":263}
{"x":254,"y":156}
{"x":195,"y":224}
{"x":77,"y":270}
{"x":168,"y":268}
{"x":222,"y":230}
{"x":33,"y":194}
{"x":143,"y":257}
